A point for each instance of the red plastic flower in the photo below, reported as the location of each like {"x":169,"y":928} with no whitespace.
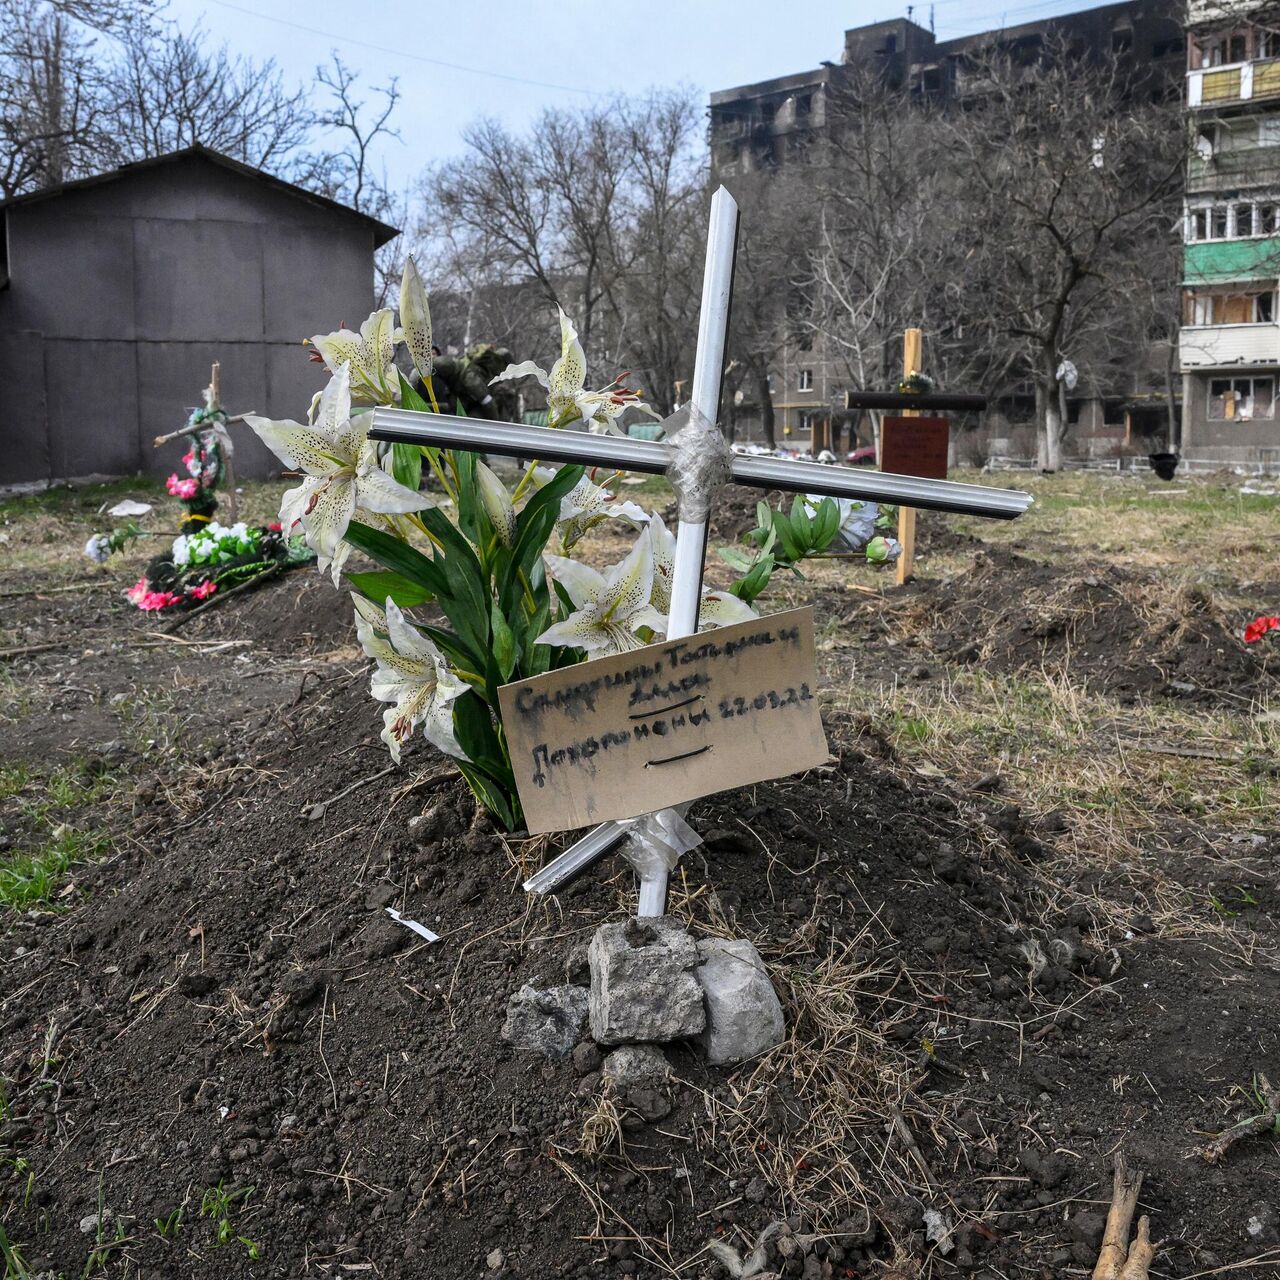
{"x":204,"y":590}
{"x":1259,"y":628}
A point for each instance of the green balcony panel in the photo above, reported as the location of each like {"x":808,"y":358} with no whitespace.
{"x":1225,"y":261}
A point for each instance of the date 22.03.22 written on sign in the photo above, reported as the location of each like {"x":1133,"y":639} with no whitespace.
{"x":634,"y":732}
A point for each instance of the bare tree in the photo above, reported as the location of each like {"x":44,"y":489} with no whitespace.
{"x":1064,"y":175}
{"x":595,"y":211}
{"x":348,"y":172}
{"x":773,"y":286}
{"x":653,"y":290}
{"x":53,"y":94}
{"x":173,"y":92}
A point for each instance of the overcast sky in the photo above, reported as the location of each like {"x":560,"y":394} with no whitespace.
{"x":512,"y":58}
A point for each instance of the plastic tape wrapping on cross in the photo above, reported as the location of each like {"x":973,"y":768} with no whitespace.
{"x":655,"y":843}
{"x":701,"y":462}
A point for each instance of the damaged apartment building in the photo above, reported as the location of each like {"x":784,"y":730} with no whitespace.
{"x":772,"y":123}
{"x":1229,"y":344}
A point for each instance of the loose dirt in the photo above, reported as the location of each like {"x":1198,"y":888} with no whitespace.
{"x":224,"y":1002}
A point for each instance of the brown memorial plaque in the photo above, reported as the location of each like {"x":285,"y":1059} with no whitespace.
{"x":915,"y":446}
{"x":625,"y":735}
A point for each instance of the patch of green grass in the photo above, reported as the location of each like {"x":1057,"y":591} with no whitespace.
{"x":33,"y":878}
{"x":13,"y":778}
{"x":67,"y":499}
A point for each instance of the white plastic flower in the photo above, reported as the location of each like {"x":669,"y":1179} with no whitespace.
{"x":717,"y":609}
{"x":609,"y":607}
{"x":367,"y":357}
{"x":98,"y":548}
{"x":567,"y":399}
{"x":586,"y":505}
{"x":412,"y":674}
{"x":341,"y":469}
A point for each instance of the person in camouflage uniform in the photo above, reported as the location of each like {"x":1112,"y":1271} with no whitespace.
{"x":463,"y":382}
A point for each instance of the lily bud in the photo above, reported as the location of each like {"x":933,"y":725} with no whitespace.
{"x":497,"y":503}
{"x":415,"y":318}
{"x":881,"y":550}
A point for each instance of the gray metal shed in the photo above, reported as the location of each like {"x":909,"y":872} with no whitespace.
{"x":118,"y":292}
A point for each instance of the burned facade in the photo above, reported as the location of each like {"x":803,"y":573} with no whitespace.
{"x":763,"y":126}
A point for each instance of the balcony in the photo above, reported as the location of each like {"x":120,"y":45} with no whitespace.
{"x":1208,"y":262}
{"x":1233,"y":170}
{"x":1244,"y":82}
{"x":1221,"y":346}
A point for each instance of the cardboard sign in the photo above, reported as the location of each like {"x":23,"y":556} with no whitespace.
{"x":625,"y":735}
{"x":915,"y":446}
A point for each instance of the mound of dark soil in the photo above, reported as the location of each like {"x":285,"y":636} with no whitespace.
{"x":301,"y":609}
{"x":233,"y":1007}
{"x":1118,"y":631}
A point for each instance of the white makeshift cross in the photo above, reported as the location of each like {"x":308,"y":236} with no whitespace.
{"x":654,"y":457}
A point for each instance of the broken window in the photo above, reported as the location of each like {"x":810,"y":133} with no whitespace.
{"x":1241,"y":399}
{"x":1218,"y":223}
{"x":806,"y":380}
{"x":1244,"y":220}
{"x":1267,"y":220}
{"x":1230,"y":308}
{"x":1199,"y":224}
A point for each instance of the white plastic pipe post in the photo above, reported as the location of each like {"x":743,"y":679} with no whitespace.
{"x":691,"y":536}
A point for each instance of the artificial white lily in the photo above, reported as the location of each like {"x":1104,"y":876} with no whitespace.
{"x":412,"y":674}
{"x":415,"y":319}
{"x":497,"y":504}
{"x":586,"y":505}
{"x":609,"y":607}
{"x":341,"y":469}
{"x":567,"y":399}
{"x":718,"y":608}
{"x":367,"y":356}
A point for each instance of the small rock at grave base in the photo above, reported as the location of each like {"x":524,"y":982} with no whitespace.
{"x":496,"y":1260}
{"x":744,"y":1016}
{"x":642,"y":983}
{"x":586,"y":1058}
{"x":637,"y":1064}
{"x":549,"y":1020}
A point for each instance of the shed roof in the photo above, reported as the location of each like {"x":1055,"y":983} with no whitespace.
{"x":382,"y":231}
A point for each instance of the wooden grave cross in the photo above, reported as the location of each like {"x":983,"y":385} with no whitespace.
{"x":653,"y":457}
{"x":913,"y":442}
{"x":212,"y":396}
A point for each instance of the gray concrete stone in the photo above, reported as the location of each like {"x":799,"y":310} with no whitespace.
{"x":549,"y":1020}
{"x":643,"y":987}
{"x":636,"y":1064}
{"x":744,"y":1017}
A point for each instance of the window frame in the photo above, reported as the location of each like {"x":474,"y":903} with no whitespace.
{"x":1244,"y":387}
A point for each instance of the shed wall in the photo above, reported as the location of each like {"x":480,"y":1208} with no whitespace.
{"x":122,"y":295}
